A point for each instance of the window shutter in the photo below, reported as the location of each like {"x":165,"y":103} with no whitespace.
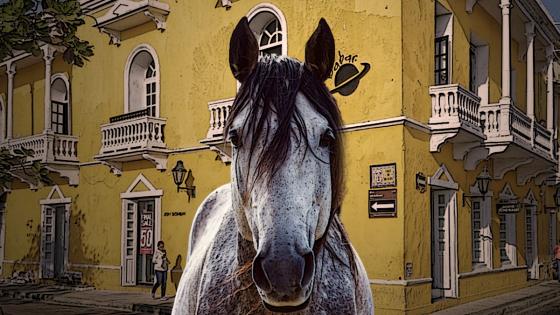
{"x":128,"y":263}
{"x":47,"y":242}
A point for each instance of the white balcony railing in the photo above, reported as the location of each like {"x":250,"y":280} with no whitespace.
{"x":133,"y":134}
{"x":506,"y":120}
{"x":453,"y":105}
{"x":219,"y":112}
{"x":47,"y":147}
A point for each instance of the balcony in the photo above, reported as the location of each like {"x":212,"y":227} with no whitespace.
{"x":59,"y":154}
{"x":219,"y":112}
{"x":455,"y":119}
{"x":131,"y":137}
{"x":516,"y":141}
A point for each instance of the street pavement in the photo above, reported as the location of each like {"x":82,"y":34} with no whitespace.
{"x":11,"y":306}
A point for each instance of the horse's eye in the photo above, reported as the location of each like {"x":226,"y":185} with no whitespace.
{"x":327,"y":139}
{"x":234,"y":138}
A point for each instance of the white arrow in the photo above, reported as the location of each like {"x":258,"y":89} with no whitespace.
{"x":377,"y":206}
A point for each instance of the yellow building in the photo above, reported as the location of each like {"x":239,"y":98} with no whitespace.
{"x":436,"y":96}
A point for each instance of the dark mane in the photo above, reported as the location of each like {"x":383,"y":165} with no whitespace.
{"x":272,"y":88}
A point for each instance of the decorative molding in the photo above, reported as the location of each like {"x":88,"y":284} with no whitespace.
{"x":473,"y":157}
{"x":503,"y":165}
{"x":127,"y":14}
{"x":115,"y":167}
{"x":470,"y":5}
{"x":408,"y":282}
{"x":478,"y":272}
{"x":88,"y":266}
{"x":436,"y":180}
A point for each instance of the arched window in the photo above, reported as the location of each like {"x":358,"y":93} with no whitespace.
{"x":269,"y":26}
{"x":142,"y":82}
{"x":60,"y":104}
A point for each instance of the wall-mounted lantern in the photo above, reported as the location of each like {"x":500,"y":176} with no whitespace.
{"x":179,"y":173}
{"x":482,"y":182}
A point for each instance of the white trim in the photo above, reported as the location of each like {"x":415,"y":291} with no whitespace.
{"x":66,"y":202}
{"x":486,"y":226}
{"x":271,"y":8}
{"x":64,"y":77}
{"x":408,"y":282}
{"x":129,"y":197}
{"x":2,"y":118}
{"x":25,"y":262}
{"x":437,"y":182}
{"x":111,"y":267}
{"x":2,"y":234}
{"x":149,"y":49}
{"x":387,"y":122}
{"x":482,"y":271}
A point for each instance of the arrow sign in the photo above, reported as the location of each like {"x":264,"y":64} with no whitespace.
{"x":382,"y":206}
{"x":382,"y":203}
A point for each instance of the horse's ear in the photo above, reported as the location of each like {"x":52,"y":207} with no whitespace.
{"x":243,"y":50}
{"x":319,"y":51}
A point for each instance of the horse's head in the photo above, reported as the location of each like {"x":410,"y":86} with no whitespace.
{"x":286,"y":167}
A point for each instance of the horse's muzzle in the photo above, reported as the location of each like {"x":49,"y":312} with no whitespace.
{"x":284,"y":281}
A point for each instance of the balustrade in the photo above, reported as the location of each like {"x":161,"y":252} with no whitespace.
{"x":132,"y":134}
{"x":47,"y":147}
{"x":219,"y":112}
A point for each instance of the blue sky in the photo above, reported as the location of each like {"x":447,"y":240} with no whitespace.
{"x":554,"y":8}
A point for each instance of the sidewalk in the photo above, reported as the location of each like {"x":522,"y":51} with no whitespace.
{"x":524,"y":301}
{"x":88,"y":296}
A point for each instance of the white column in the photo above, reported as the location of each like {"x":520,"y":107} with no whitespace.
{"x":530,"y":33}
{"x":550,"y":88}
{"x":11,"y":72}
{"x":48,"y":56}
{"x":506,"y":53}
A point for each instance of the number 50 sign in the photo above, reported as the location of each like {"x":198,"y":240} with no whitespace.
{"x":146,"y":240}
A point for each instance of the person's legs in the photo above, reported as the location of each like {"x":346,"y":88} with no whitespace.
{"x":156,"y":285}
{"x":163,"y":282}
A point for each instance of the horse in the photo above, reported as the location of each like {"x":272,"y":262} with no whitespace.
{"x":272,"y":241}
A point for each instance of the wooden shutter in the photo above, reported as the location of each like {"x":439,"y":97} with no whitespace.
{"x":47,"y":241}
{"x":129,"y":233}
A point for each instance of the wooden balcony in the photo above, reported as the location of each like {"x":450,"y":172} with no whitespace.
{"x":131,"y":137}
{"x":59,"y":153}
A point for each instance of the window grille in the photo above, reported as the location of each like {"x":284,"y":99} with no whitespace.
{"x":503,"y":238}
{"x":442,"y":60}
{"x":59,"y":117}
{"x":151,"y":89}
{"x":477,"y":240}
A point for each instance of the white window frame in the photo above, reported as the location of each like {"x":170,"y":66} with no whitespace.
{"x":531,"y":202}
{"x":481,"y":71}
{"x":131,"y":196}
{"x":486,"y":238}
{"x":55,"y":197}
{"x":150,"y":50}
{"x":64,"y":77}
{"x":270,"y":8}
{"x":444,"y":27}
{"x":511,"y":228}
{"x":442,"y":180}
{"x":2,"y":118}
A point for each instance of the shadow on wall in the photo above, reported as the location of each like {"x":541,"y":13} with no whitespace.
{"x":177,"y":271}
{"x":27,"y":267}
{"x":80,"y":252}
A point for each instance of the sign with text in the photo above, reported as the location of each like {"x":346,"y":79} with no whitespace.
{"x":505,"y":207}
{"x":146,"y":234}
{"x":383,"y":175}
{"x":382,"y":203}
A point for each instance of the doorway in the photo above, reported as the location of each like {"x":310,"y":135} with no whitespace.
{"x":444,"y":243}
{"x":54,"y":238}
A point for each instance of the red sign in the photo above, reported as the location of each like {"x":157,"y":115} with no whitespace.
{"x":146,"y":234}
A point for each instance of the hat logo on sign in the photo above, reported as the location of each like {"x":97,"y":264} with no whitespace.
{"x":347,"y":75}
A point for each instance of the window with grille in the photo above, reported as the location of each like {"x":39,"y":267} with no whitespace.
{"x":477,"y":240}
{"x":270,"y":41}
{"x":503,"y":239}
{"x":60,"y":106}
{"x":441,"y":61}
{"x":151,"y":89}
{"x":529,"y":234}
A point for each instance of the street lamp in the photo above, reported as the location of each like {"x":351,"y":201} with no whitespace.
{"x":179,"y":173}
{"x":482,"y":183}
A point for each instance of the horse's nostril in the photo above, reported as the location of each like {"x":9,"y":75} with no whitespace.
{"x":309,"y":269}
{"x":259,"y":276}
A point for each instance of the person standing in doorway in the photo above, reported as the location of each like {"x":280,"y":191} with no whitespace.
{"x":557,"y":262}
{"x":161,"y":264}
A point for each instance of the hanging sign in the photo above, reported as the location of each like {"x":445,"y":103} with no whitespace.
{"x":146,"y":234}
{"x":383,"y":175}
{"x":507,"y":206}
{"x":382,"y":203}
